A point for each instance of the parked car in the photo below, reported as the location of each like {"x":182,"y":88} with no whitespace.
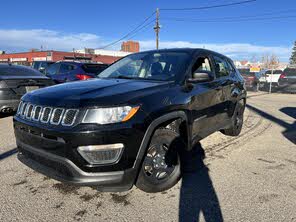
{"x":41,"y":66}
{"x":15,"y":81}
{"x":270,"y":77}
{"x":251,"y":79}
{"x":131,"y":125}
{"x":287,"y":80}
{"x":67,"y":71}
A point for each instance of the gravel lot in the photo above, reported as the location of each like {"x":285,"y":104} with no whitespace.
{"x":247,"y":178}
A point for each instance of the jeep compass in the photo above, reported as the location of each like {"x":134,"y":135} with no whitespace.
{"x":131,"y":125}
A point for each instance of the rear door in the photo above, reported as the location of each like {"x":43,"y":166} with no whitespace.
{"x":206,"y":99}
{"x":226,"y":76}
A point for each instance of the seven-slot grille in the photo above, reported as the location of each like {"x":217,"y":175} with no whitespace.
{"x":45,"y":114}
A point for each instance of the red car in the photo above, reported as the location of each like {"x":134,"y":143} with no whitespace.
{"x":251,"y":79}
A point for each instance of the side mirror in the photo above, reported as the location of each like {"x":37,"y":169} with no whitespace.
{"x":200,"y":77}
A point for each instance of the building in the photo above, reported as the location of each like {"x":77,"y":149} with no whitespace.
{"x":27,"y":58}
{"x":102,"y":52}
{"x":130,"y":46}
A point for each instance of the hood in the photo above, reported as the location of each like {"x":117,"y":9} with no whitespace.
{"x":95,"y":92}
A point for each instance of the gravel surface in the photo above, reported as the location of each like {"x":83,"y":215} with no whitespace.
{"x":246,"y":178}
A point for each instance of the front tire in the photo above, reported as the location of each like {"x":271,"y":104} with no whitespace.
{"x":160,"y":169}
{"x":237,"y":120}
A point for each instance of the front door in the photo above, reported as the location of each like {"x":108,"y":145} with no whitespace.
{"x":207,"y":98}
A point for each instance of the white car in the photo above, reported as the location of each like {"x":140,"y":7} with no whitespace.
{"x":270,"y":76}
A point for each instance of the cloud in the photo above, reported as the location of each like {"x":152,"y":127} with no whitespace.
{"x":27,"y":39}
{"x":233,"y":50}
{"x":14,"y":40}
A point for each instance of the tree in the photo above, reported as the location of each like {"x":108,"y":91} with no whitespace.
{"x":270,"y":61}
{"x":293,"y":56}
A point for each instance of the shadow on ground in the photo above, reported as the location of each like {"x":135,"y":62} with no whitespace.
{"x":197,"y":194}
{"x":4,"y":115}
{"x":290,"y":129}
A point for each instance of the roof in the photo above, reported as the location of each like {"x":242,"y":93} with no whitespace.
{"x":188,"y":50}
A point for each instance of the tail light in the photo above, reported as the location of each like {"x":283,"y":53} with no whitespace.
{"x":282,"y":76}
{"x":83,"y":77}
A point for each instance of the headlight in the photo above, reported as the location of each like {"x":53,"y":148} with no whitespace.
{"x":109,"y":115}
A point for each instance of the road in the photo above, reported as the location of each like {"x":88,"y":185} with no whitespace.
{"x":248,"y":178}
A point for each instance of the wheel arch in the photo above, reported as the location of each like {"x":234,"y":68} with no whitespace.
{"x":160,"y":122}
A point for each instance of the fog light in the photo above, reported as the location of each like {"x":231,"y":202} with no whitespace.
{"x":101,"y":154}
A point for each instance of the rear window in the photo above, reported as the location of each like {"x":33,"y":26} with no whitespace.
{"x":94,"y":68}
{"x":290,"y":72}
{"x":18,"y":71}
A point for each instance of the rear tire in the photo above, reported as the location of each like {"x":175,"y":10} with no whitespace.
{"x":161,"y":168}
{"x":237,"y":120}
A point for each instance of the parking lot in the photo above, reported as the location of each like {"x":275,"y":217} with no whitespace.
{"x":245,"y":178}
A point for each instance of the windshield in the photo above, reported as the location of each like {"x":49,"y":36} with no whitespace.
{"x":164,"y":66}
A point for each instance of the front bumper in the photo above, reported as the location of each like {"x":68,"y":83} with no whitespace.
{"x":66,"y":171}
{"x":53,"y":152}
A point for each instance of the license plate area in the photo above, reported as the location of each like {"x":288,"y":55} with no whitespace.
{"x":31,"y":88}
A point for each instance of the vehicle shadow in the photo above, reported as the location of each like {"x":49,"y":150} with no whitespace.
{"x":290,"y":129}
{"x":197,"y":194}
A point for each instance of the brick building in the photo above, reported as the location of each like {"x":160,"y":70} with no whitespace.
{"x":130,"y":46}
{"x":27,"y":58}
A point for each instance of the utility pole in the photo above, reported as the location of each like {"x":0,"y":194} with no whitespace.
{"x":271,"y":77}
{"x":157,"y":28}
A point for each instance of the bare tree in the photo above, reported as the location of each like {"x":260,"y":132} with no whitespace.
{"x":270,"y":61}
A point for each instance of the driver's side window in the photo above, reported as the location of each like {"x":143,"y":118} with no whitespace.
{"x":202,"y":64}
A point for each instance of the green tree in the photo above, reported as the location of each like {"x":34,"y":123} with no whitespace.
{"x":293,"y":56}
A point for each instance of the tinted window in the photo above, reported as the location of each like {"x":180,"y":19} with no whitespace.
{"x":66,"y":68}
{"x":221,"y":67}
{"x":18,"y":71}
{"x":53,"y":69}
{"x":94,"y":68}
{"x":290,"y":72}
{"x":45,"y":64}
{"x":36,"y":65}
{"x":230,"y":66}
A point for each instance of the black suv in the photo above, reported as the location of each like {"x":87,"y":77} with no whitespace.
{"x":132,"y":124}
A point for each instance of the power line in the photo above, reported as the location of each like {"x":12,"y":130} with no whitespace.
{"x":208,"y":7}
{"x":237,"y":19}
{"x":129,"y":33}
{"x":233,"y":17}
{"x":144,"y":28}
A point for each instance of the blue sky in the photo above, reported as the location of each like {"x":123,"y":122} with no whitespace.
{"x":64,"y":25}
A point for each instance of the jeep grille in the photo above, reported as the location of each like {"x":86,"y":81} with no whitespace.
{"x":47,"y":115}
